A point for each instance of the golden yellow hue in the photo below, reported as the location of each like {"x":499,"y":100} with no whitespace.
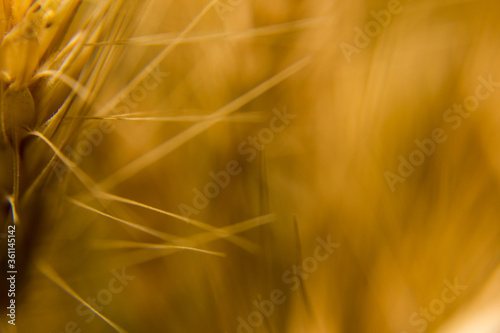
{"x":250,"y":166}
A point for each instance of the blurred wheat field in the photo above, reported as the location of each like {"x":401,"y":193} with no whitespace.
{"x":250,"y":166}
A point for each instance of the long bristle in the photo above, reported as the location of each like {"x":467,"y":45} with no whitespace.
{"x":249,"y":166}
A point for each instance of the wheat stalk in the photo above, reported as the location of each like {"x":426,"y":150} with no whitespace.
{"x":248,"y":166}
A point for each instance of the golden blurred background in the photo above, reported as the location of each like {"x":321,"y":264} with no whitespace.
{"x":251,"y":166}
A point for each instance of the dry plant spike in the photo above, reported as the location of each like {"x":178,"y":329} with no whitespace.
{"x":249,"y":166}
{"x":21,"y":49}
